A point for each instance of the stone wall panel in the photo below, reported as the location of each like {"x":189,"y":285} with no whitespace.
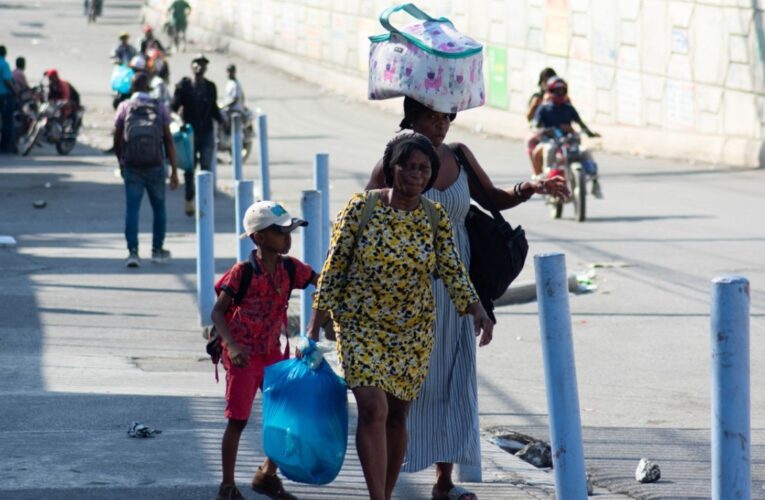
{"x":690,"y":69}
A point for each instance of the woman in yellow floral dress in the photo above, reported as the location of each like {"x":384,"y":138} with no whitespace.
{"x":376,"y":283}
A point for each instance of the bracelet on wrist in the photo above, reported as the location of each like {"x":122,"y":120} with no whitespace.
{"x":519,"y":192}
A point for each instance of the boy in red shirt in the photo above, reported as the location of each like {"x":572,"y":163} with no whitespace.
{"x":250,"y":331}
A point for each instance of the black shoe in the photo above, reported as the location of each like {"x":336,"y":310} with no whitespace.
{"x":133,"y":260}
{"x":160,"y":255}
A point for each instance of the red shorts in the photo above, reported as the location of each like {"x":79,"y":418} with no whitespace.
{"x":242,"y":383}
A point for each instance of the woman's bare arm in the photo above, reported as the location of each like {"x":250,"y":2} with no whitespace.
{"x":377,"y":179}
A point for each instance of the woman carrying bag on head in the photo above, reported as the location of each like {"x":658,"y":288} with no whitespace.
{"x":376,"y":281}
{"x":443,"y":421}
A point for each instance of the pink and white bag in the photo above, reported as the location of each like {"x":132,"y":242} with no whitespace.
{"x":429,"y":61}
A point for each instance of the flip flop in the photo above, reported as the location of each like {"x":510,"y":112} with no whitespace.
{"x":455,"y":493}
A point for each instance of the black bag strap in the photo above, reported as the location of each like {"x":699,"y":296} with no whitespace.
{"x":248,"y":270}
{"x":244,"y":284}
{"x":289,"y":265}
{"x":471,"y":173}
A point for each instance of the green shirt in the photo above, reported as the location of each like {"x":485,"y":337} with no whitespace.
{"x":178,"y":10}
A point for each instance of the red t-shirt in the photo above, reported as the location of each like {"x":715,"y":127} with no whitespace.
{"x":258,"y":321}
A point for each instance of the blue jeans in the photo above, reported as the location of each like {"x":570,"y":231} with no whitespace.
{"x":204,"y":149}
{"x":8,"y":138}
{"x":153,"y":181}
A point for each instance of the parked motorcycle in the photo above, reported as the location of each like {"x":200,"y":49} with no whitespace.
{"x":27,"y":109}
{"x":572,"y":162}
{"x":50,"y":126}
{"x":224,"y":135}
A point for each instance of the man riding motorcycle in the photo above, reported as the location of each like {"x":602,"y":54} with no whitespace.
{"x":63,"y":93}
{"x":558,"y":112}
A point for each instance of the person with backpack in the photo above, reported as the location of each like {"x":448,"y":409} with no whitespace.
{"x":376,"y":285}
{"x":250,"y":315}
{"x":142,"y":138}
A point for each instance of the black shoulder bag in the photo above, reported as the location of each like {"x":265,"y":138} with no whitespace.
{"x":497,"y":251}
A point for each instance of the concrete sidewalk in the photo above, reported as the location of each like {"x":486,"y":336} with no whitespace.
{"x":90,"y":346}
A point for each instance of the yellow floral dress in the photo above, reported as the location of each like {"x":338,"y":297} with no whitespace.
{"x":379,"y":292}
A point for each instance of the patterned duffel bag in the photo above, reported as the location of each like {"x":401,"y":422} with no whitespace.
{"x":429,"y":61}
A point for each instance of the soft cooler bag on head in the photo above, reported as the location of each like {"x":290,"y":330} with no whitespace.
{"x":429,"y":61}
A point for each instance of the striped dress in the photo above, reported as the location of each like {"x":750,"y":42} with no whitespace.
{"x":443,"y":420}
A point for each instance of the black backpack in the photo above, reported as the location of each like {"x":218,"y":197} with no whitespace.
{"x":143,"y":134}
{"x":214,"y":347}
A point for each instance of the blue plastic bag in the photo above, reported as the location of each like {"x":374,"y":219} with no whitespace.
{"x":183,"y":139}
{"x":305,"y":419}
{"x":121,"y":78}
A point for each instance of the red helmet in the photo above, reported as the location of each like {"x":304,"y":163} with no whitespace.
{"x":558,"y":89}
{"x":147,"y":28}
{"x":51,"y":73}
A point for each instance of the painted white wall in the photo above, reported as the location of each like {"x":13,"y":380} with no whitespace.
{"x":669,"y":78}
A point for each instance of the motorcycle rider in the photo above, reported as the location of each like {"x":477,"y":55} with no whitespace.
{"x":540,"y":96}
{"x":63,"y":93}
{"x":148,"y":41}
{"x":123,"y":52}
{"x":558,"y":112}
{"x":233,"y":94}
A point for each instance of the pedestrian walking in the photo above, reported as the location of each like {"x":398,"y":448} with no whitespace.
{"x":197,"y":100}
{"x":377,"y":284}
{"x":141,"y":129}
{"x":179,"y":12}
{"x":7,"y":105}
{"x":250,"y":328}
{"x":443,"y":421}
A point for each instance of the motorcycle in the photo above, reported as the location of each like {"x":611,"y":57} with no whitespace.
{"x":572,"y":162}
{"x":27,"y":110}
{"x":52,"y":127}
{"x":224,"y":134}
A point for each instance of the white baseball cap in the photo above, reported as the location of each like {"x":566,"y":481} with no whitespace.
{"x":263,"y":214}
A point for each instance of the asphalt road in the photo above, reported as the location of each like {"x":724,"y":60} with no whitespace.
{"x":77,"y":332}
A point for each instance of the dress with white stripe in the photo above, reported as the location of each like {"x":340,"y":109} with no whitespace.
{"x":443,"y":420}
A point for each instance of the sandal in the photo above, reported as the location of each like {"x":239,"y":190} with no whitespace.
{"x":271,"y":486}
{"x":455,"y":493}
{"x":229,"y":492}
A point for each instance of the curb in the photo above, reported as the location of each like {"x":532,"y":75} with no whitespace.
{"x":526,"y":291}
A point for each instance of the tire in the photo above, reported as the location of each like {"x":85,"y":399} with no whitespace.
{"x":579,"y":191}
{"x":31,"y":139}
{"x":65,"y":146}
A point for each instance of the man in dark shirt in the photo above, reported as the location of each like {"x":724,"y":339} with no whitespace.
{"x":197,"y":100}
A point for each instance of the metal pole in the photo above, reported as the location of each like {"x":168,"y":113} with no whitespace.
{"x":244,"y":198}
{"x":236,"y":145}
{"x":731,"y":444}
{"x":321,"y":184}
{"x":560,"y":376}
{"x":265,"y":182}
{"x":205,"y":249}
{"x":214,"y":160}
{"x":310,"y":206}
